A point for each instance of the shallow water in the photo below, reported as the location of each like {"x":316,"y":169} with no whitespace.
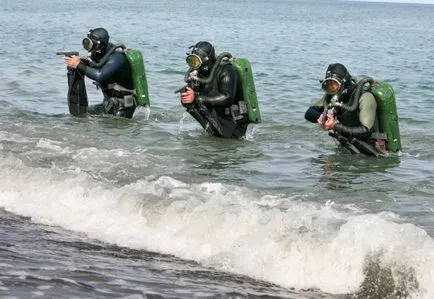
{"x":100,"y":207}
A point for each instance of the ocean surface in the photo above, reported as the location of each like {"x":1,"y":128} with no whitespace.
{"x":152,"y":207}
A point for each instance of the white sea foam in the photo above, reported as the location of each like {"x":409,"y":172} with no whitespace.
{"x":275,"y":238}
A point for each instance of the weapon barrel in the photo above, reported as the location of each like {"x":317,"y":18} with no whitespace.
{"x":182,"y":89}
{"x":68,"y":53}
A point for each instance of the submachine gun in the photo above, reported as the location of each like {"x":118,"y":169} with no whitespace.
{"x":329,"y":103}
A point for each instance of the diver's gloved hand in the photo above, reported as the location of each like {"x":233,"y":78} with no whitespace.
{"x":329,"y":124}
{"x":72,"y":61}
{"x":187,"y":97}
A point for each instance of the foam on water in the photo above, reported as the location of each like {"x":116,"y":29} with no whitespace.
{"x":156,"y":184}
{"x":280,"y":239}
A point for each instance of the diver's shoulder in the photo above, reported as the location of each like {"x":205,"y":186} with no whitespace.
{"x":227,"y":67}
{"x":367,"y":96}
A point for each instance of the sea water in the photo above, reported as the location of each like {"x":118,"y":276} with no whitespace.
{"x":153,"y":207}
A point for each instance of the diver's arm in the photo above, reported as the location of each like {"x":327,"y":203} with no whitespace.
{"x":313,"y":113}
{"x":359,"y":132}
{"x":367,"y":110}
{"x":100,"y":75}
{"x":227,"y":82}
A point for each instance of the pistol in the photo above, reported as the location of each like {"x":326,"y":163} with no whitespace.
{"x":68,"y":53}
{"x":182,"y":89}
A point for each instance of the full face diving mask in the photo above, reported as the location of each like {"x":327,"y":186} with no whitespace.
{"x":196,"y":59}
{"x":331,"y":85}
{"x":90,"y":44}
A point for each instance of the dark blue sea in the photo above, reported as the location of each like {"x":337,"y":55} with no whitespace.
{"x":152,"y":207}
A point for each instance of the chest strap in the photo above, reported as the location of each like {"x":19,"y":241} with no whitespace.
{"x":117,"y":87}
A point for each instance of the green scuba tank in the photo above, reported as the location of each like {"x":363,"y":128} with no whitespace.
{"x":247,"y":86}
{"x":387,"y":114}
{"x":135,"y":59}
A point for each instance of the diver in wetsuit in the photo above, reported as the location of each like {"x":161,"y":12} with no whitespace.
{"x":211,"y":94}
{"x":109,"y":68}
{"x":354,"y":109}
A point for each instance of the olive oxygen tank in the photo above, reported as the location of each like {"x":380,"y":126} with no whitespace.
{"x":135,"y":59}
{"x":387,"y":114}
{"x":247,"y":86}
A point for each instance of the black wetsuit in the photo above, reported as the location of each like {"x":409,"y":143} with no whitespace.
{"x":216,"y":104}
{"x":115,"y":70}
{"x":351,"y":130}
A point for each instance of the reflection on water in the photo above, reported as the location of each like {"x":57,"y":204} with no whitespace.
{"x":218,"y":153}
{"x":343,"y":170}
{"x":342,"y":161}
{"x":209,"y":156}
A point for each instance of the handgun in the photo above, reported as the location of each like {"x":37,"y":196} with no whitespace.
{"x":68,"y":53}
{"x":182,"y":89}
{"x":191,"y":79}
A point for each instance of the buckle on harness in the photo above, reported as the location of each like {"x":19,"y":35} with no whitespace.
{"x":239,"y":111}
{"x":119,"y":103}
{"x":129,"y":101}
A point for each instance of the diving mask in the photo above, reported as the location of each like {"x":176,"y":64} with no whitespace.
{"x":194,"y":61}
{"x":90,"y":45}
{"x":331,"y":85}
